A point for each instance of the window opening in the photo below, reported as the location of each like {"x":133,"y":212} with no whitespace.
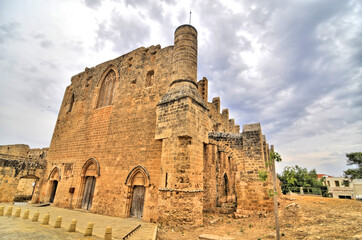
{"x":106,"y":92}
{"x":166,"y":180}
{"x":149,"y":78}
{"x":71,"y":102}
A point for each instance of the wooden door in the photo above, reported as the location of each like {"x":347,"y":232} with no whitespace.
{"x":54,"y":190}
{"x":90,"y":183}
{"x":138,"y":200}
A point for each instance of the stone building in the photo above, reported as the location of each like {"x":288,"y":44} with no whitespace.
{"x":136,"y":136}
{"x":344,"y":188}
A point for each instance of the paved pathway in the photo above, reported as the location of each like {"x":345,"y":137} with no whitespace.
{"x":120,"y":226}
{"x":15,"y":228}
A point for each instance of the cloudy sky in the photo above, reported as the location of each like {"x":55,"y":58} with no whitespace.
{"x":293,"y":66}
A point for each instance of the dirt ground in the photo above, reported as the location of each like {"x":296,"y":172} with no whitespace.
{"x":301,"y":217}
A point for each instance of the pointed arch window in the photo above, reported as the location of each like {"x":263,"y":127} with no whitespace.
{"x":107,"y":87}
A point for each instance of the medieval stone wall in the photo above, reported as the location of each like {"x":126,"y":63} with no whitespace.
{"x":253,"y":192}
{"x":19,"y":150}
{"x":246,"y":159}
{"x":14,"y":171}
{"x":119,"y":136}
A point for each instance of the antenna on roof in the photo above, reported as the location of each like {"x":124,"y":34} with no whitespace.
{"x":190,"y":18}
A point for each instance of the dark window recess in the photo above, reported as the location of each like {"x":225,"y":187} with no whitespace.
{"x":226,"y":184}
{"x":345,"y":183}
{"x":71,"y":102}
{"x":149,"y":78}
{"x":166,"y":179}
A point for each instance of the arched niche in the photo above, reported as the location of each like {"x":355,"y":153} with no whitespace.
{"x":91,"y":168}
{"x":55,"y":174}
{"x":138,"y":176}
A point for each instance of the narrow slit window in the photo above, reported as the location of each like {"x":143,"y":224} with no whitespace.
{"x":71,"y":102}
{"x":166,"y":179}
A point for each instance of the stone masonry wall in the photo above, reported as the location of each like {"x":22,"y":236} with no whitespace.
{"x":253,"y":193}
{"x":119,"y":136}
{"x":19,"y":150}
{"x":223,"y":158}
{"x":12,"y":171}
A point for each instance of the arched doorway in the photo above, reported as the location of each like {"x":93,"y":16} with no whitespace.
{"x":138,"y":197}
{"x":90,"y":183}
{"x":25,"y":189}
{"x":54,"y":178}
{"x":137,"y":180}
{"x":90,"y":171}
{"x":54,"y":190}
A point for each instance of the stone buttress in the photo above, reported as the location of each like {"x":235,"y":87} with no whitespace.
{"x":181,"y":125}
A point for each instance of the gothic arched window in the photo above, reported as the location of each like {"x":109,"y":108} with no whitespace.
{"x":106,"y":92}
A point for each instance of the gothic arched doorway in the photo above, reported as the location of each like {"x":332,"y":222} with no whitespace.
{"x":90,"y":171}
{"x":137,"y":180}
{"x":54,"y":178}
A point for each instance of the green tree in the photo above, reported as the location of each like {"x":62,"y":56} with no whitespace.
{"x":293,"y":177}
{"x":354,"y":158}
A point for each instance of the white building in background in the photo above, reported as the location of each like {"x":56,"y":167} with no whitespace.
{"x":343,"y":188}
{"x":357,"y":188}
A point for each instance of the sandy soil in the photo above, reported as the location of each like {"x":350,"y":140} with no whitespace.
{"x":301,"y":217}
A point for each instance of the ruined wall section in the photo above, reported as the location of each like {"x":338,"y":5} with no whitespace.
{"x":120,"y":136}
{"x":219,"y":122}
{"x":38,"y":153}
{"x":13,"y":170}
{"x":266,"y":150}
{"x":214,"y":115}
{"x":221,"y":164}
{"x":203,"y":88}
{"x":19,"y":150}
{"x":23,"y":152}
{"x":253,"y":193}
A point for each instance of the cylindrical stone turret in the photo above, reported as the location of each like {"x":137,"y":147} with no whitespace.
{"x":184,"y":64}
